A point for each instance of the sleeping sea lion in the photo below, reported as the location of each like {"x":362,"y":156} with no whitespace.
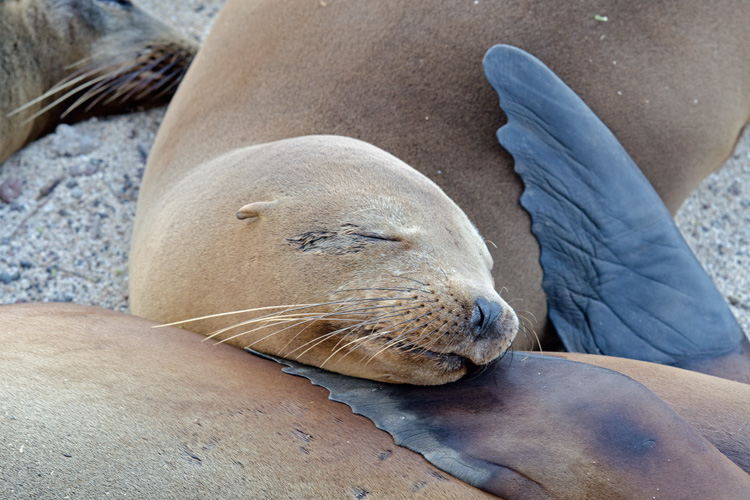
{"x":100,"y":403}
{"x":348,"y":258}
{"x":407,"y":78}
{"x":68,"y":59}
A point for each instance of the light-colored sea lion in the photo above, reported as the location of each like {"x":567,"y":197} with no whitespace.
{"x":65,"y":59}
{"x":99,"y":402}
{"x":407,"y":78}
{"x":353,"y":260}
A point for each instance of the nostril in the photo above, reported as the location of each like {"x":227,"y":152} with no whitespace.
{"x":485,"y":315}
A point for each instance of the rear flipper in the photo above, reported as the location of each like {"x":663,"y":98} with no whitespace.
{"x":620,"y":279}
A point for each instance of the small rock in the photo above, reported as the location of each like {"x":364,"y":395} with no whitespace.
{"x":10,"y":190}
{"x":71,"y":142}
{"x":90,"y":169}
{"x":46,"y":190}
{"x":143,"y":150}
{"x":7,"y":278}
{"x":76,"y":193}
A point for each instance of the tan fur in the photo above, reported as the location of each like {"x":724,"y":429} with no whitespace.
{"x":669,"y":78}
{"x":97,"y":401}
{"x":44,"y":41}
{"x":311,"y":208}
{"x":100,"y":403}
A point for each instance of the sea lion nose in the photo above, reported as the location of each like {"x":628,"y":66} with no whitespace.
{"x":485,"y":315}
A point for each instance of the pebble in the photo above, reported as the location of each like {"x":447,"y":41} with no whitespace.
{"x":10,"y":189}
{"x":7,"y":278}
{"x":69,"y":141}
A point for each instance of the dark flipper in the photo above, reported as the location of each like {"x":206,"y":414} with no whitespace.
{"x":619,"y":278}
{"x":540,"y":427}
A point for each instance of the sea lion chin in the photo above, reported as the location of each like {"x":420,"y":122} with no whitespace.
{"x":343,"y":257}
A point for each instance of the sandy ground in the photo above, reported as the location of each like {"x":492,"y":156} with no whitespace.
{"x":66,"y":237}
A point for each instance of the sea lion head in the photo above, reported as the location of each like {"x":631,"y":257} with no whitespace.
{"x":362,"y":265}
{"x":98,"y":56}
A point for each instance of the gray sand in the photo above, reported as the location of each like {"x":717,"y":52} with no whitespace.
{"x":66,"y":237}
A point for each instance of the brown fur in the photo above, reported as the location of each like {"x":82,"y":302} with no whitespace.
{"x":42,"y":42}
{"x":715,"y":406}
{"x":116,"y":408}
{"x":669,"y":78}
{"x":112,"y":405}
{"x":324,"y":220}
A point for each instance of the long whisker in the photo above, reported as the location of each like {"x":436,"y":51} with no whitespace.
{"x":54,"y":90}
{"x":119,"y":75}
{"x":437,"y":336}
{"x":101,"y":89}
{"x":291,"y":310}
{"x":401,"y":336}
{"x":312,"y":318}
{"x":289,"y":307}
{"x":175,"y":76}
{"x":64,"y":97}
{"x":124,"y":92}
{"x":161,"y":77}
{"x":517,"y":311}
{"x":422,"y":336}
{"x":383,"y":289}
{"x":366,"y":338}
{"x":377,"y":319}
{"x":112,"y":88}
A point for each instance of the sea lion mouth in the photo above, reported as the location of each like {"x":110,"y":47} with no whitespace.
{"x":447,"y":361}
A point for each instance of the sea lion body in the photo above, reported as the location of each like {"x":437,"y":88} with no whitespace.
{"x":45,"y":42}
{"x":407,"y":78}
{"x":98,"y":401}
{"x":710,"y":404}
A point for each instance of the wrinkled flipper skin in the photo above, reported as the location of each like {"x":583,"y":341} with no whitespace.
{"x":539,"y":427}
{"x":620,"y":279}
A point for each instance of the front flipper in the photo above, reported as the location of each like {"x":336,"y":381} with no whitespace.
{"x":538,"y":427}
{"x":620,"y":279}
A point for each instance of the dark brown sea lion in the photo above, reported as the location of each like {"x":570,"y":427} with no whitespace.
{"x":99,"y":402}
{"x":407,"y":78}
{"x":67,"y":59}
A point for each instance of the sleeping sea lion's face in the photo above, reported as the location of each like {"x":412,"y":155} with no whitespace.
{"x":382,"y":276}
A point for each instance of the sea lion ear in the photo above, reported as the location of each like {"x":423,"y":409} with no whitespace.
{"x":256,"y":209}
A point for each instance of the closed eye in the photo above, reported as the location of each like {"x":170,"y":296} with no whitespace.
{"x":348,"y":238}
{"x":374,"y":236}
